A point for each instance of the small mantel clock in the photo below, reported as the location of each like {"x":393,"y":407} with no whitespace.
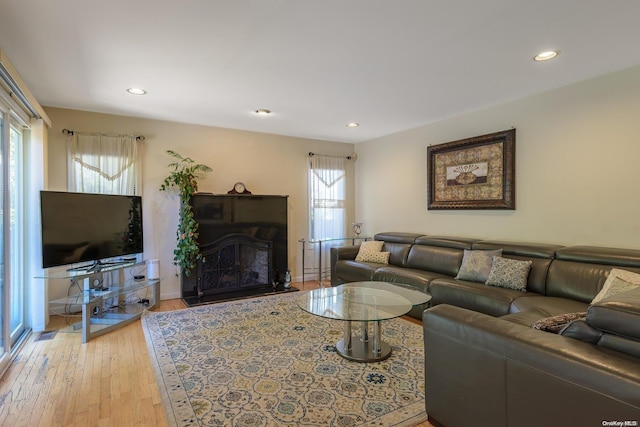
{"x":239,"y":188}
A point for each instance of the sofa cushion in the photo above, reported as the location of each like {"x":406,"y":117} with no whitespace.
{"x":579,"y":281}
{"x":435,"y":258}
{"x":618,"y":281}
{"x":540,"y":255}
{"x":472,"y":295}
{"x":509,"y":273}
{"x":397,"y":237}
{"x":409,"y":276}
{"x":546,"y":306}
{"x":446,"y":242}
{"x":579,"y":272}
{"x":626,"y":258}
{"x":476,"y":265}
{"x":399,"y":252}
{"x":353,"y":271}
{"x":530,"y":308}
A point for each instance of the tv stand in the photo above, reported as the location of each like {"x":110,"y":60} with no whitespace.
{"x":97,"y":266}
{"x":109,"y":297}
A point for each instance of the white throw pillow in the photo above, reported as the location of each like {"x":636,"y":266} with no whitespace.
{"x":618,"y":281}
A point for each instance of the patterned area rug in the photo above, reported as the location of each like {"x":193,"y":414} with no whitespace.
{"x":266,"y":362}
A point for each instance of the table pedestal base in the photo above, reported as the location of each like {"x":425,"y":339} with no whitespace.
{"x":363,"y":352}
{"x":363,"y":349}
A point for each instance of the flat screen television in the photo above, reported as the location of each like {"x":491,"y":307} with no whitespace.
{"x":86,"y":227}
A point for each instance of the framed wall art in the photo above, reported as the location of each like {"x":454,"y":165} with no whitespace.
{"x":473,"y":173}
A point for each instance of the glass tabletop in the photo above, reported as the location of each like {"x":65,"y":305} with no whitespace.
{"x":361,"y":301}
{"x":334,"y":239}
{"x":415,"y":297}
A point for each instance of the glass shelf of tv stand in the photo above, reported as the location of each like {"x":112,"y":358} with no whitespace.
{"x":104,"y":310}
{"x":82,"y":272}
{"x":92,"y":295}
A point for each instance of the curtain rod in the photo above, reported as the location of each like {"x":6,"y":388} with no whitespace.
{"x":351,"y":157}
{"x":68,"y":132}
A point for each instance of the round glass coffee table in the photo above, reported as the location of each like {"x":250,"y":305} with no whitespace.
{"x":365,"y":302}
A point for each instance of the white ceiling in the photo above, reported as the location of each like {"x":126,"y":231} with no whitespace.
{"x":388,"y":65}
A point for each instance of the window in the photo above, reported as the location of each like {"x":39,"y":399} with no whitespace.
{"x":327,"y":210}
{"x":327,"y":189}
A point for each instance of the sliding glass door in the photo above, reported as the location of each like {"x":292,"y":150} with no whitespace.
{"x":4,"y":302}
{"x":12,"y":305}
{"x":16,"y":233}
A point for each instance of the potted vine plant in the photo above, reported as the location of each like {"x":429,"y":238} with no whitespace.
{"x":184,"y":177}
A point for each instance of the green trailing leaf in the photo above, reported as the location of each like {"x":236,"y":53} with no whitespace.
{"x":184,"y":178}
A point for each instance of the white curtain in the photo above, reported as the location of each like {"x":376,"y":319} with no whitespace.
{"x":105,"y":164}
{"x":327,"y":217}
{"x":327,"y":188}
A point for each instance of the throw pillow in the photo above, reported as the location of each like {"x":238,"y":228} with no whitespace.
{"x":556,"y":324}
{"x":377,"y":257}
{"x":509,"y":273}
{"x":367,"y":247}
{"x":372,"y":245}
{"x":476,"y":265}
{"x":618,"y":281}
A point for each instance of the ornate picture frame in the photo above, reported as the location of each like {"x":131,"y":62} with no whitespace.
{"x":473,"y":173}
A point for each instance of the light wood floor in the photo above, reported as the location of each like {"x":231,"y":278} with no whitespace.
{"x":105,"y":382}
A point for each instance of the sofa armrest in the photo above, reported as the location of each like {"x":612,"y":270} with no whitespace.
{"x":618,"y":319}
{"x":481,"y":370}
{"x":340,"y":253}
{"x":619,"y":314}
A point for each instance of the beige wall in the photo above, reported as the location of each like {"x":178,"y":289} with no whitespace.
{"x":577,"y":150}
{"x":267,"y":164}
{"x":577,"y":174}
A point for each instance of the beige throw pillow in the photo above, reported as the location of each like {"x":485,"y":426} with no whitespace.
{"x":367,"y":248}
{"x":617,"y":282}
{"x":372,"y":245}
{"x":370,"y":251}
{"x":377,"y":257}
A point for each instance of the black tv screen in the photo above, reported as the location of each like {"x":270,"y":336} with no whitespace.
{"x":85,"y":227}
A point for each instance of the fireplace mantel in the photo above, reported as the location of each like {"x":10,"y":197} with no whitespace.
{"x":243,"y":242}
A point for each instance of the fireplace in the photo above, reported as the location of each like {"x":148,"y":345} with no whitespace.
{"x":243,"y":243}
{"x":234,"y":263}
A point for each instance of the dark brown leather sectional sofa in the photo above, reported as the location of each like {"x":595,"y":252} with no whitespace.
{"x":485,"y":364}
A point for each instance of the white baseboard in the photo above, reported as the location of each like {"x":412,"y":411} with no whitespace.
{"x":170,"y":295}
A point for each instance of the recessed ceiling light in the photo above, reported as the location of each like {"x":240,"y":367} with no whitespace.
{"x":546,"y":55}
{"x":136,"y":91}
{"x":262,"y":112}
{"x":353,"y":125}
